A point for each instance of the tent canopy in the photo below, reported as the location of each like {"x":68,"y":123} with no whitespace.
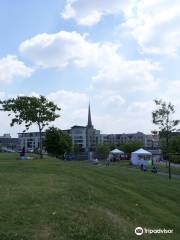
{"x":141,"y":151}
{"x":117,"y":151}
{"x":141,"y":156}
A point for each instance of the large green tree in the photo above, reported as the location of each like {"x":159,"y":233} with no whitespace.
{"x":174,"y":148}
{"x":130,"y":146}
{"x":163,"y":117}
{"x":31,"y":110}
{"x":57,"y":142}
{"x":174,"y":144}
{"x":102,"y":150}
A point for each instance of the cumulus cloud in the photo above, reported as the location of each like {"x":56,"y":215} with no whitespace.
{"x":2,"y":95}
{"x":73,"y":106}
{"x":69,"y":99}
{"x":113,"y":69}
{"x":173,"y":90}
{"x":59,"y":49}
{"x":88,"y":13}
{"x":64,"y":48}
{"x":11,"y":67}
{"x":155,"y":25}
{"x":109,"y":98}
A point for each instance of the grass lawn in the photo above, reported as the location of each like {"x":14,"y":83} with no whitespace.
{"x":53,"y":199}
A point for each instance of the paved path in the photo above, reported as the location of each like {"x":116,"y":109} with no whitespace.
{"x":167,"y":174}
{"x":172,"y":164}
{"x":175,"y":164}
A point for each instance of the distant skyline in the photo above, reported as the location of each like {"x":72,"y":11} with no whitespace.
{"x":119,"y":55}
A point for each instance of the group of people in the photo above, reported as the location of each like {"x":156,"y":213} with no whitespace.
{"x":143,"y":168}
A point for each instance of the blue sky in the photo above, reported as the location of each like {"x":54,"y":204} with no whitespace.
{"x":120,"y":55}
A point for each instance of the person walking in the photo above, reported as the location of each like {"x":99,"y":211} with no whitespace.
{"x":109,"y":159}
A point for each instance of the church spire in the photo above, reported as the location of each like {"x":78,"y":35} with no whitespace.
{"x":89,"y":117}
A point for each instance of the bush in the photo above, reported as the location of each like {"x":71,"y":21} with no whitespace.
{"x":175,"y":158}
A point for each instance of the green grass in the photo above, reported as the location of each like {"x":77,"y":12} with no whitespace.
{"x":53,"y":199}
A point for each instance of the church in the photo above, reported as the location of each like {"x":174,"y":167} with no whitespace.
{"x":86,"y":137}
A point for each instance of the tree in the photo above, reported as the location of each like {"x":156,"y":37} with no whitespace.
{"x":31,"y":110}
{"x":174,"y":148}
{"x":57,"y":142}
{"x":102,"y":150}
{"x":131,"y":146}
{"x":174,"y":144}
{"x":162,"y":117}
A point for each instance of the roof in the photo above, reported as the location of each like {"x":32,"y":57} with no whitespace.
{"x":89,"y":124}
{"x":116,"y":151}
{"x":142,"y":151}
{"x":76,"y":126}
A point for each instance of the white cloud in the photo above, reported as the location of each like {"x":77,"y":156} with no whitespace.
{"x":11,"y":67}
{"x":155,"y":24}
{"x":140,"y":108}
{"x":88,"y":13}
{"x":73,"y":107}
{"x":109,"y":98}
{"x":59,"y":49}
{"x":173,"y":90}
{"x":133,"y":74}
{"x":69,"y":99}
{"x":63,"y":48}
{"x":2,"y":95}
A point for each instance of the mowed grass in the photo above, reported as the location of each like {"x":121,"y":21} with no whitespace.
{"x":53,"y":199}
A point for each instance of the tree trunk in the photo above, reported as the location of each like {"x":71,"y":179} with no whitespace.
{"x":169,"y":168}
{"x":167,"y":157}
{"x":40,"y":143}
{"x":167,"y":146}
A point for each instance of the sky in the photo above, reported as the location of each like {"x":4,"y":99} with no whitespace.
{"x":119,"y":55}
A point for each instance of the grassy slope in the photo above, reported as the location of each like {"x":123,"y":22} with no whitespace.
{"x":52,"y":199}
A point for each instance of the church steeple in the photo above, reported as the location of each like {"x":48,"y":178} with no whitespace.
{"x":89,"y":117}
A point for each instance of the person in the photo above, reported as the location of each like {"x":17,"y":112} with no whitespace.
{"x":109,"y":159}
{"x":154,"y":169}
{"x":23,"y":152}
{"x":96,"y":161}
{"x":144,"y":168}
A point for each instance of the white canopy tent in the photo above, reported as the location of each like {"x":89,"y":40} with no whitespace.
{"x":141,"y":156}
{"x":117,"y":151}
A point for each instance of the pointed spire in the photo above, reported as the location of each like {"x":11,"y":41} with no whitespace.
{"x":89,"y":117}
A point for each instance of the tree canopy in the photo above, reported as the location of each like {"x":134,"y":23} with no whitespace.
{"x":57,"y":142}
{"x":31,"y":110}
{"x":130,"y":146}
{"x":162,"y":116}
{"x":102,"y":151}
